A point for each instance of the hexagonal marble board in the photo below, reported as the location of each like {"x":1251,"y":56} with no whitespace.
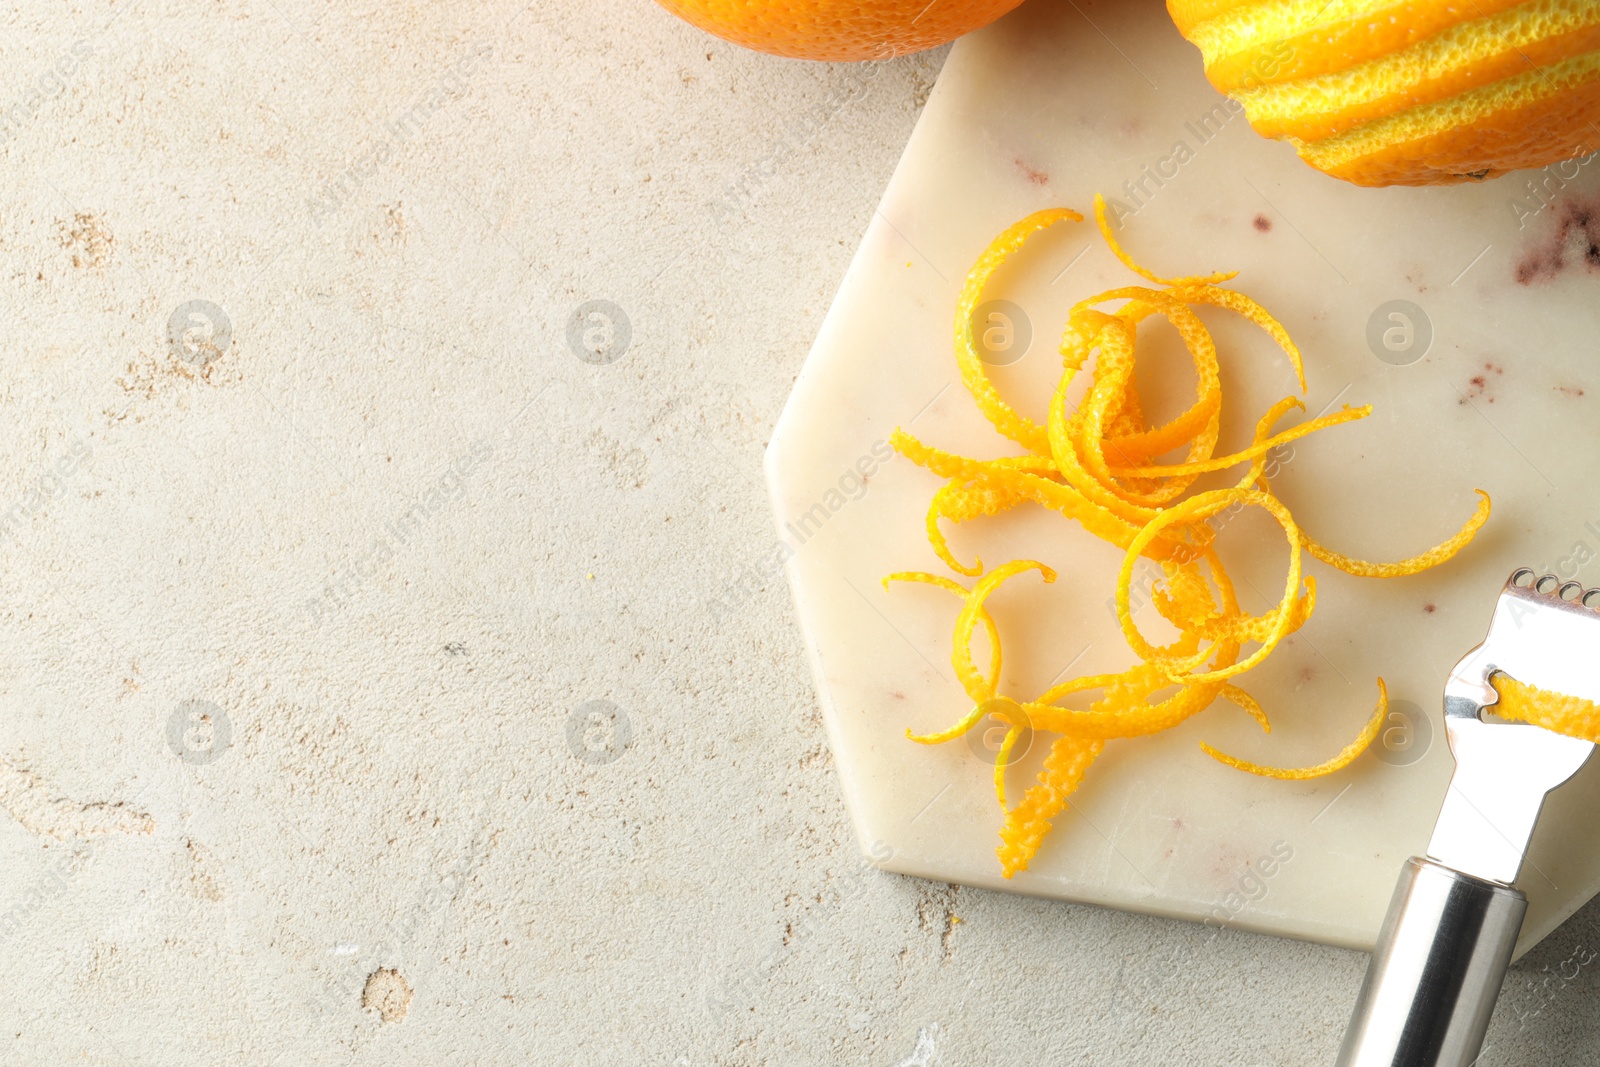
{"x":1490,"y":381}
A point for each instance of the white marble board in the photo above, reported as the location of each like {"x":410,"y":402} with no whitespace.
{"x":1047,"y":107}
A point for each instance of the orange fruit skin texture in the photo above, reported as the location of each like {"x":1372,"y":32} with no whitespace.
{"x":839,"y":30}
{"x":1409,"y":92}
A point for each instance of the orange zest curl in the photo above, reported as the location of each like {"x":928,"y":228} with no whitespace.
{"x":1098,"y":464}
{"x":1337,"y":763}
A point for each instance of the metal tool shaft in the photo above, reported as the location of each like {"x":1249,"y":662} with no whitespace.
{"x":1442,"y":954}
{"x":1437,"y":970}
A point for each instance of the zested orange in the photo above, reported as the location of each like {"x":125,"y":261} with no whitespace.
{"x":1408,"y":92}
{"x":839,"y":29}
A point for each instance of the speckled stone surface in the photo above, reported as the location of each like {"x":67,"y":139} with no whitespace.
{"x":394,"y":673}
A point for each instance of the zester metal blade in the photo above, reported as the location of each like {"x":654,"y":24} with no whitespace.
{"x":1544,"y":633}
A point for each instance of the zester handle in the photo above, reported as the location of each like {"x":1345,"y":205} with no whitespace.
{"x":1436,"y":971}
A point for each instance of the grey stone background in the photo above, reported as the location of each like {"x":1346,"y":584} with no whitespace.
{"x":389,"y":674}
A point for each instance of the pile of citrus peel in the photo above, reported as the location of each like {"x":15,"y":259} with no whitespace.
{"x":1097,"y":464}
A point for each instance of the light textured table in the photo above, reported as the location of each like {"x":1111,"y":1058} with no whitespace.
{"x":392,"y":669}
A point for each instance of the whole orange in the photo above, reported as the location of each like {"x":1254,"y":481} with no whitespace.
{"x":839,"y":29}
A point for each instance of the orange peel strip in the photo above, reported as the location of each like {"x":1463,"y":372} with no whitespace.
{"x":1002,"y":759}
{"x":1249,"y":703}
{"x":1239,"y":303}
{"x":1339,"y":762}
{"x":1260,"y":448}
{"x":956,"y":501}
{"x":1432,"y":558}
{"x":1078,"y":443}
{"x":1027,"y":823}
{"x":1127,"y":260}
{"x":1264,"y":432}
{"x":1053,"y":495}
{"x":1005,"y":418}
{"x":1201,"y":348}
{"x":1112,"y":718}
{"x":968,"y":617}
{"x":1519,"y":701}
{"x":971,"y":718}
